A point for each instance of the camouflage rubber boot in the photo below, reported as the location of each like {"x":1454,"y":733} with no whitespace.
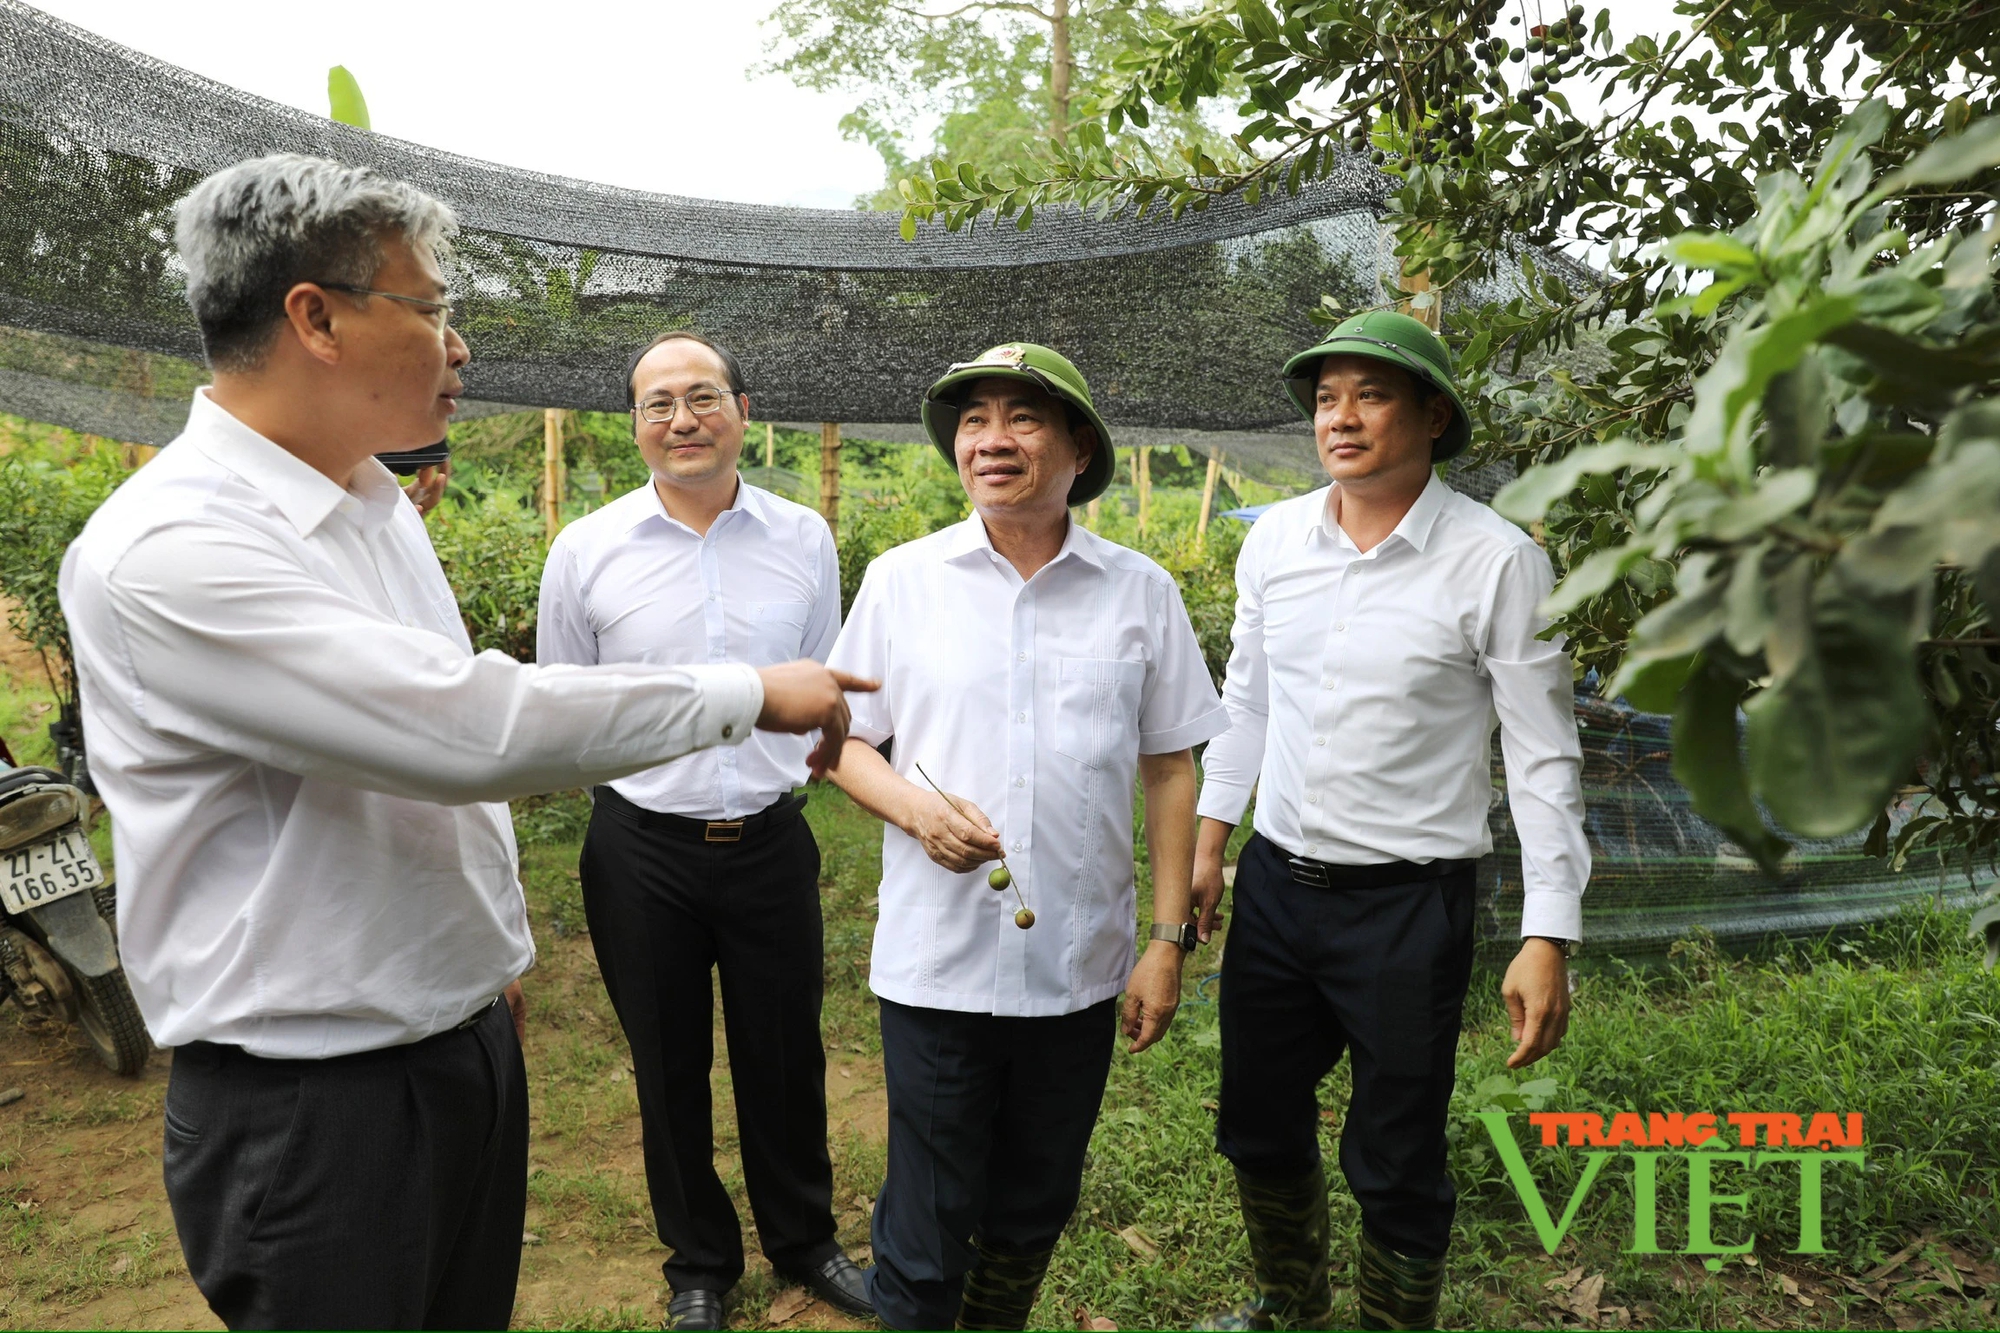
{"x":1000,"y":1289}
{"x":1396,"y":1291}
{"x":1287,"y":1223}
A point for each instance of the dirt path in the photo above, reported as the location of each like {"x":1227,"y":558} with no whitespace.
{"x":88,"y":1241}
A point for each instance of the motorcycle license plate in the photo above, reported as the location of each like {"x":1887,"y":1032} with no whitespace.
{"x":35,"y":875}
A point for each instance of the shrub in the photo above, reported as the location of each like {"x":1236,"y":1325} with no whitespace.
{"x":492,"y":548}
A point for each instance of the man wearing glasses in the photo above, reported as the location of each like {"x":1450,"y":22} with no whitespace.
{"x":306,"y":767}
{"x":706,"y":862}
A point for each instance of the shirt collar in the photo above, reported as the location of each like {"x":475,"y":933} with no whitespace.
{"x":1415,"y":529}
{"x":971,"y":536}
{"x":301,"y":492}
{"x":749,"y":501}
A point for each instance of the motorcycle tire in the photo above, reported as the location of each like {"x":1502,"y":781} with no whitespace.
{"x":109,"y":1019}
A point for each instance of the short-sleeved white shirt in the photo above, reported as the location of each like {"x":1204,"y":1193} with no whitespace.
{"x":1034,"y":700}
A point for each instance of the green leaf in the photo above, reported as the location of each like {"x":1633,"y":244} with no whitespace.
{"x":909,"y":226}
{"x":1795,"y":413}
{"x":1746,"y":604}
{"x":1529,"y":496}
{"x":1651,"y":686}
{"x":1747,"y":363}
{"x":344,"y":100}
{"x":1709,"y":763}
{"x":1709,"y":250}
{"x":1778,"y":494}
{"x":1830,"y":743}
{"x":1597,"y":571}
{"x":1948,"y":161}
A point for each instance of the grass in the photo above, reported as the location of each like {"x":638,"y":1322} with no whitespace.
{"x":1897,"y":1023}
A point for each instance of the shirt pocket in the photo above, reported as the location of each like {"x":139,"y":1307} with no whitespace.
{"x":1097,"y":707}
{"x":776,"y":630}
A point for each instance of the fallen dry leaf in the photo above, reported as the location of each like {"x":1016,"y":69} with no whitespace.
{"x":1791,"y":1286}
{"x":788,"y":1305}
{"x":1140,"y":1243}
{"x":124,"y":1262}
{"x":1566,"y":1281}
{"x":1583,"y":1300}
{"x":530,"y":1238}
{"x":1094,"y":1323}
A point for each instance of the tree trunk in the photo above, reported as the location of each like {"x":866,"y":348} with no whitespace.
{"x":1061,"y":67}
{"x":1142,"y":482}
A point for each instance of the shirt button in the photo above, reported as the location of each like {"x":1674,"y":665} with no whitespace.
{"x":1312,"y":846}
{"x":1020,"y":657}
{"x":1017,"y":844}
{"x":1020,"y":717}
{"x":1342,"y":627}
{"x":728,"y":730}
{"x":1020,"y":782}
{"x":1326,"y":684}
{"x":1312,"y":798}
{"x":1319,"y":740}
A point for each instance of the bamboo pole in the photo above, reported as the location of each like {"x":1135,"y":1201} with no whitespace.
{"x":1142,"y":482}
{"x":552,"y":470}
{"x":770,"y":444}
{"x":829,"y":475}
{"x":1208,"y":496}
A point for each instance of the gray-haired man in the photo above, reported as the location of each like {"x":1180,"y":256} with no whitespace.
{"x":305,"y":763}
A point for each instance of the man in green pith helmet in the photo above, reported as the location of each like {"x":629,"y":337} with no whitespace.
{"x":1382,"y":625}
{"x":1032,"y":670}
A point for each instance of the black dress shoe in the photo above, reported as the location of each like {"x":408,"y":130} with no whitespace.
{"x":694,"y":1308}
{"x":839,"y":1282}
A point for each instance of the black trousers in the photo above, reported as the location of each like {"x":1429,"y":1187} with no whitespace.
{"x":379,"y":1190}
{"x":664,"y":910}
{"x":988,"y":1122}
{"x":1378,"y":973}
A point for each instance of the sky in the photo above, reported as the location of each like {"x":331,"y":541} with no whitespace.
{"x":652,"y":95}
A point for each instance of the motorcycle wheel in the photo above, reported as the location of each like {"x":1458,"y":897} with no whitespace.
{"x":109,"y":1018}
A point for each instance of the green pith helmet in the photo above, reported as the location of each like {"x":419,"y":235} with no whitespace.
{"x":1399,"y":340}
{"x":1037,"y":365}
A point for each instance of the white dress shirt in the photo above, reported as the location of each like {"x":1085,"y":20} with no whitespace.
{"x":631,"y":583}
{"x":1033,"y":700}
{"x":304,"y":759}
{"x":1364,"y":687}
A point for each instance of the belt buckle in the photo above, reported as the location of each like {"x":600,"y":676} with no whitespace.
{"x":723,"y":830}
{"x":1309,"y":872}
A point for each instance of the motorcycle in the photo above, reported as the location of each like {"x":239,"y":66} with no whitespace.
{"x":58,"y":920}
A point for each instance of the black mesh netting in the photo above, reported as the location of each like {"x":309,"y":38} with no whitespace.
{"x":1181,"y":327}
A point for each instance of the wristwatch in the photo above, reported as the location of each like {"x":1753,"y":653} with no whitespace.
{"x":1182,"y":934}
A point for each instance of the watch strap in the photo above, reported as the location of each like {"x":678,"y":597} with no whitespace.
{"x":1182,"y":934}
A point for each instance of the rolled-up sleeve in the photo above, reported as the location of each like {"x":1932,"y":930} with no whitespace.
{"x":1534,"y":696}
{"x":1232,"y":760}
{"x":238,"y":648}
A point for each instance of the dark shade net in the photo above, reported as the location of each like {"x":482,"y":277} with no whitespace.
{"x":1181,"y":327}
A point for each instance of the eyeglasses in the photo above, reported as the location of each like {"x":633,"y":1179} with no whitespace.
{"x":442,"y":309}
{"x":700,"y":402}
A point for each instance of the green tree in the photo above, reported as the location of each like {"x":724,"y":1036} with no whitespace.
{"x":999,"y":77}
{"x":1779,"y":485}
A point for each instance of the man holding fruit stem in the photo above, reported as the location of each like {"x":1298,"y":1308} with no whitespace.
{"x":1032,"y":669}
{"x":1382,"y":625}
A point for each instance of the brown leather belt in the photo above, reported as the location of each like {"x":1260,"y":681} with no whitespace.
{"x":747,"y":829}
